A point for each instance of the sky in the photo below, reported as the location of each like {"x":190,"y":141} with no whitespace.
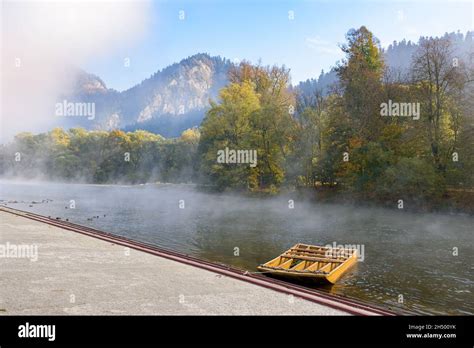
{"x":302,"y":35}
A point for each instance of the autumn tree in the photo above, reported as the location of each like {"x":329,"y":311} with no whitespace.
{"x":228,"y":124}
{"x":273,"y":125}
{"x":440,"y":78}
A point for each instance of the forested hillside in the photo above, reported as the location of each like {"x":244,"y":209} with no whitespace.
{"x":84,"y":156}
{"x":354,"y":138}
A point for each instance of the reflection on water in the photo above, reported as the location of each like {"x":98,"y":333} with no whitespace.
{"x":405,"y":254}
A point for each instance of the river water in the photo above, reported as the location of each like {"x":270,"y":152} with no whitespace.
{"x":415,"y":261}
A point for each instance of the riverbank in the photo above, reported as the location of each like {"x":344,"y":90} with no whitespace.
{"x":68,"y":273}
{"x":453,"y":201}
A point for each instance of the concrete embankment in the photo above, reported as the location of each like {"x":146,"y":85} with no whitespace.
{"x":71,"y":273}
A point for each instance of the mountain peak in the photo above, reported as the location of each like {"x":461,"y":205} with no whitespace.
{"x":180,"y":91}
{"x":87,"y":83}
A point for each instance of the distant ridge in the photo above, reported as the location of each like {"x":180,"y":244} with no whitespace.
{"x":169,"y":100}
{"x":176,"y":98}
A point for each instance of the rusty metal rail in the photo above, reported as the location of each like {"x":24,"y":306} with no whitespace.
{"x":334,"y":301}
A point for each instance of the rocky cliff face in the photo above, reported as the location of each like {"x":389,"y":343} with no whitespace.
{"x":178,"y":95}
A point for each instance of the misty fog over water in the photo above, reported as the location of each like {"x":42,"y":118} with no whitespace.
{"x":409,"y":254}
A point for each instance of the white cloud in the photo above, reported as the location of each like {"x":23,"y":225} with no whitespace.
{"x":49,"y":37}
{"x":322,"y":46}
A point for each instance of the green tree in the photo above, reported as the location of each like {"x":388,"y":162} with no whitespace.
{"x":228,"y":125}
{"x":360,"y":76}
{"x":274,"y":125}
{"x":412,"y":180}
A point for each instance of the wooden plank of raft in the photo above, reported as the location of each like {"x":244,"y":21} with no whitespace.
{"x":328,"y":250}
{"x":309,"y":251}
{"x":310,"y":247}
{"x":339,"y":255}
{"x":323,"y":255}
{"x":312,"y":258}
